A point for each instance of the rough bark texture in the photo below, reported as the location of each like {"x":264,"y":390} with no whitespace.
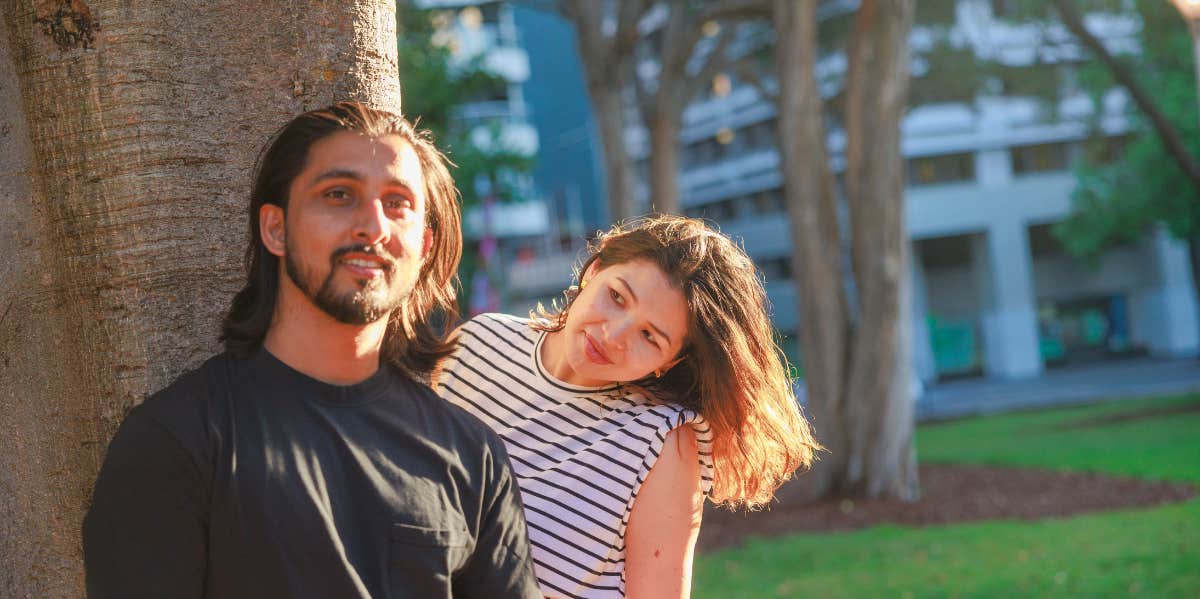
{"x":855,"y":346}
{"x":127,"y":133}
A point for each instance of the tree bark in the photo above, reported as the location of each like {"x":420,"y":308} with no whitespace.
{"x":127,"y":134}
{"x":878,"y":403}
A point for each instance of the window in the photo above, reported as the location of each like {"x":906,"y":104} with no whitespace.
{"x":717,"y":211}
{"x":768,"y":202}
{"x":1040,"y":158}
{"x":760,"y":135}
{"x":775,"y":269}
{"x":947,"y":168}
{"x":1106,"y":150}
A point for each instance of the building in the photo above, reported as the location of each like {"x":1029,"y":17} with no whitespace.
{"x":994,"y":293}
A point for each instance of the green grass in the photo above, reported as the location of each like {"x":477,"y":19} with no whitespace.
{"x":1146,"y":553}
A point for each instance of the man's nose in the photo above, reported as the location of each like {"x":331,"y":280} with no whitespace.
{"x":371,"y":223}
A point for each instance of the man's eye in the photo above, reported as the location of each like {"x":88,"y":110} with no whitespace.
{"x":338,"y":195}
{"x":397,"y":202}
{"x":650,"y":337}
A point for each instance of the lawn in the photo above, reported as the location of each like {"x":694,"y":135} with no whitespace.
{"x":1145,"y":553}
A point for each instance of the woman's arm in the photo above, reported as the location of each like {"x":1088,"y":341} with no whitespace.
{"x":664,"y":523}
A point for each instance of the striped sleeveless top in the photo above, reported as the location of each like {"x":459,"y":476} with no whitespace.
{"x":579,"y":454}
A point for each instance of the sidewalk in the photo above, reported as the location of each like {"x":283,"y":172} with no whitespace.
{"x":1057,"y":387}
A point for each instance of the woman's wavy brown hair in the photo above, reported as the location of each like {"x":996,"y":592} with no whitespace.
{"x":416,"y":334}
{"x":733,"y":372}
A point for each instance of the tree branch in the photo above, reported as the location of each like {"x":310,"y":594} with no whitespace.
{"x":1165,"y":129}
{"x":717,"y":60}
{"x":733,"y":10}
{"x":744,"y":69}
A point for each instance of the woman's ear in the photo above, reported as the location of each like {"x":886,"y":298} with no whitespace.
{"x":271,"y":228}
{"x":661,"y":370}
{"x":591,"y":271}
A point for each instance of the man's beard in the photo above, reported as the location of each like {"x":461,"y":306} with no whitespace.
{"x":369,"y":303}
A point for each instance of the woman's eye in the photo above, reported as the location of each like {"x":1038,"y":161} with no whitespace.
{"x":616,"y":297}
{"x":649,"y":337}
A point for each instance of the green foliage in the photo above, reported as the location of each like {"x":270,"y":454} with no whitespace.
{"x":953,"y":74}
{"x":1119,"y":201}
{"x":1148,"y":552}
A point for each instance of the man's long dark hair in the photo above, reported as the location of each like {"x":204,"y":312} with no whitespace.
{"x":416,"y":335}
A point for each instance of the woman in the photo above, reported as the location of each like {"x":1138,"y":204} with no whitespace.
{"x":657,"y":383}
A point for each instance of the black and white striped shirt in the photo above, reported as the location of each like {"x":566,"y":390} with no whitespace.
{"x":580,"y":454}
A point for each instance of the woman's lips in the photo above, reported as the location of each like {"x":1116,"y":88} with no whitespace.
{"x":593,"y":352}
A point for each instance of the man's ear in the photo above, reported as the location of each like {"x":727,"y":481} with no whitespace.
{"x":271,"y":228}
{"x":427,"y":243}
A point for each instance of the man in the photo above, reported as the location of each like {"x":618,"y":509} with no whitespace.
{"x":306,"y":461}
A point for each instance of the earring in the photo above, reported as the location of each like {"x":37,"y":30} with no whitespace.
{"x":583,"y":284}
{"x":658,"y":373}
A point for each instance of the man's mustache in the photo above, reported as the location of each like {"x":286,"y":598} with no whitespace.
{"x":371,"y":250}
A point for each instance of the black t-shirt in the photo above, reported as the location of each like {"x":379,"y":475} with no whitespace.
{"x":246,"y":478}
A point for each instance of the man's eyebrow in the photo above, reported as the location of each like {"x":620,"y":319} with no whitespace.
{"x":338,"y":173}
{"x":345,"y":173}
{"x":634,"y":296}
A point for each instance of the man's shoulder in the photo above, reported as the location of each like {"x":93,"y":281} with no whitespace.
{"x":186,"y":408}
{"x":458,"y":422}
{"x":193,"y":398}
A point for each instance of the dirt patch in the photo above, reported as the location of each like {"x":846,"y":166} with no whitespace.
{"x":950,"y":494}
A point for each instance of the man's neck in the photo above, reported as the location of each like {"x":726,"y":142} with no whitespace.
{"x":312,"y":342}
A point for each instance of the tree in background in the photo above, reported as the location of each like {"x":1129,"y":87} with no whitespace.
{"x":1156,"y":178}
{"x":694,"y":43}
{"x":606,"y":34}
{"x":854,"y":329}
{"x":127,"y":136}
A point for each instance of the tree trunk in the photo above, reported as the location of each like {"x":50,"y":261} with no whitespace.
{"x":878,"y":403}
{"x":605,"y":35}
{"x":127,"y":133}
{"x":816,"y":243}
{"x":618,"y":168}
{"x":664,"y":124}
